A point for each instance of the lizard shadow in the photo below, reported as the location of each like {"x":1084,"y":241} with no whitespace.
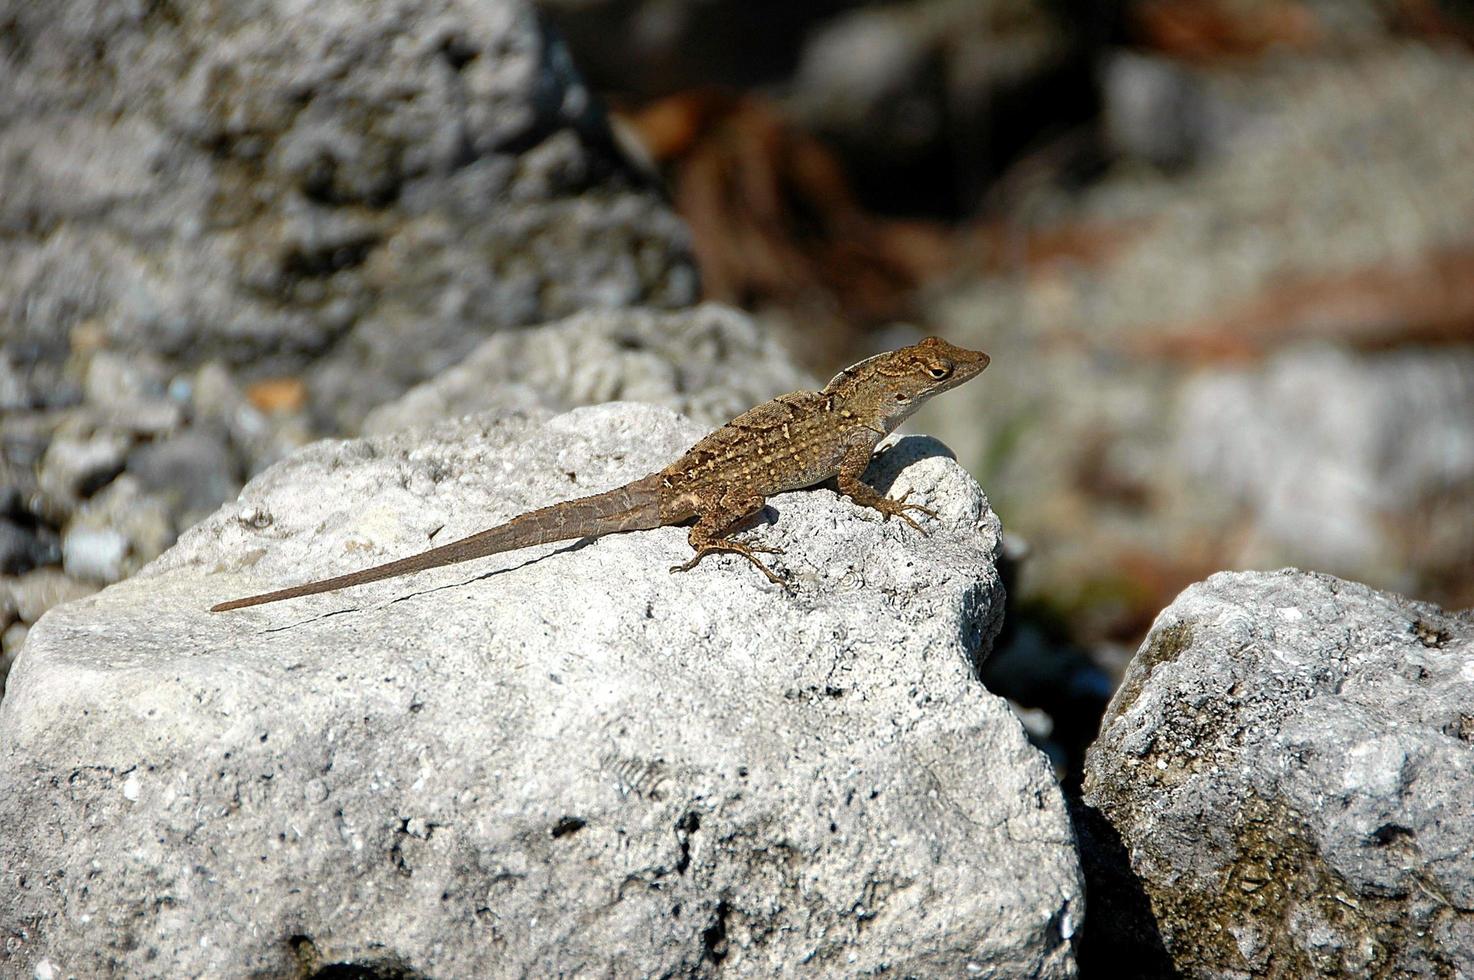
{"x":767,"y":517}
{"x":890,"y":461}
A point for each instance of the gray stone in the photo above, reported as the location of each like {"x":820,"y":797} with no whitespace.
{"x":15,"y":394}
{"x":117,"y":532}
{"x":709,"y":363}
{"x":193,"y":471}
{"x":116,"y":379}
{"x":1353,"y":462}
{"x":219,"y":403}
{"x":23,"y":547}
{"x":12,"y":638}
{"x":935,"y":92}
{"x":35,"y":592}
{"x":95,"y":554}
{"x":1290,"y":765}
{"x":1160,"y":110}
{"x":564,"y":759}
{"x":77,"y":466}
{"x":365,"y":189}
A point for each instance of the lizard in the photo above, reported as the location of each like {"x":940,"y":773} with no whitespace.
{"x":792,"y":442}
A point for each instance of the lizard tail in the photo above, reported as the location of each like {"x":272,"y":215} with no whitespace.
{"x":633,"y":507}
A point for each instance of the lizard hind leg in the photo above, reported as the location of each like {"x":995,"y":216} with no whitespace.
{"x":713,"y":532}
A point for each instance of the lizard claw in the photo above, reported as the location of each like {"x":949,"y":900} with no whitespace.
{"x":898,"y":508}
{"x":748,"y":551}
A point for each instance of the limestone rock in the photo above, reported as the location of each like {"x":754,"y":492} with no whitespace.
{"x":1288,"y":765}
{"x":363,"y":188}
{"x":559,"y":760}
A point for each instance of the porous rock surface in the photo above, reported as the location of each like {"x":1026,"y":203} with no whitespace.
{"x":711,"y":363}
{"x":553,"y":761}
{"x":363,"y":188}
{"x":1288,"y":764}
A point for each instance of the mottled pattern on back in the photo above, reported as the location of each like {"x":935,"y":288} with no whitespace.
{"x":791,"y":442}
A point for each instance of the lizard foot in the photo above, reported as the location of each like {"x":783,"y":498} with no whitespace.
{"x":748,"y":551}
{"x":897,"y":508}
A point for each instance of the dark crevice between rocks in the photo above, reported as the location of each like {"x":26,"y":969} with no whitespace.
{"x":310,"y":965}
{"x":1119,"y":925}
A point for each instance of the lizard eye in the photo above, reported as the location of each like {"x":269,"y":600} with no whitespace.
{"x":940,"y":369}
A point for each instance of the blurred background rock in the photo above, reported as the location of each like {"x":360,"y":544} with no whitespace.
{"x":1221,"y":251}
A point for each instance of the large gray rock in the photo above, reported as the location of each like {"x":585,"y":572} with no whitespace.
{"x":560,"y":760}
{"x":1290,"y":765}
{"x":366,"y":188}
{"x":710,"y":363}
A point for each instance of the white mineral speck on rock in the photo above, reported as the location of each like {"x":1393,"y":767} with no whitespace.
{"x":131,"y":787}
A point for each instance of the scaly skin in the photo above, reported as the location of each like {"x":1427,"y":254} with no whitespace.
{"x":792,"y":442}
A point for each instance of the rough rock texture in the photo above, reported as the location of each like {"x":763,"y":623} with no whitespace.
{"x":367,"y":187}
{"x":553,"y":761}
{"x":1290,"y":765}
{"x":710,"y":363}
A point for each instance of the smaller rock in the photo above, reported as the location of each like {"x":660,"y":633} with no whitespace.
{"x":118,"y":532}
{"x":15,"y":394}
{"x":11,"y":640}
{"x":192,"y":470}
{"x":76,"y":467}
{"x":31,"y":594}
{"x":22,"y":548}
{"x":1161,"y":111}
{"x":1287,"y":766}
{"x":95,"y":554}
{"x":114,"y":379}
{"x":219,"y":402}
{"x":132,"y":392}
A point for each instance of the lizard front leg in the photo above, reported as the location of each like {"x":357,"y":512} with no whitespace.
{"x":852,"y":467}
{"x":720,"y":517}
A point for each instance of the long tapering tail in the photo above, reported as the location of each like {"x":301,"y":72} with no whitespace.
{"x":633,"y":507}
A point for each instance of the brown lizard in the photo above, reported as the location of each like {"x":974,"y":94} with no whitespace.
{"x":792,"y":442}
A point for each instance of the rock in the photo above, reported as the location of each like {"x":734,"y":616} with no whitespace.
{"x":1160,"y":110}
{"x":1340,"y":459}
{"x":12,"y":638}
{"x":358,"y":188}
{"x":77,"y":466}
{"x":710,"y":363}
{"x":95,"y":554}
{"x":1288,"y":765}
{"x":23,"y":547}
{"x":15,"y":393}
{"x":115,"y":379}
{"x":427,"y":774}
{"x":193,"y":471}
{"x":35,"y":592}
{"x":219,"y":403}
{"x":117,"y":532}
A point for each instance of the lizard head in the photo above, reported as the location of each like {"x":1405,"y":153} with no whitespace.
{"x":888,"y":387}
